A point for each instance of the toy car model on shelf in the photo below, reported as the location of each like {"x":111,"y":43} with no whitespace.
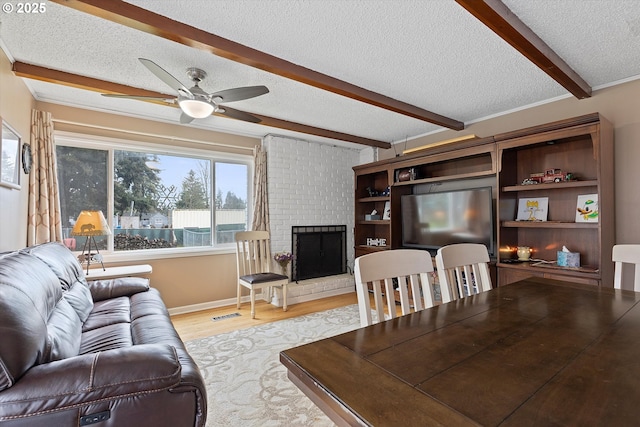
{"x":550,"y":175}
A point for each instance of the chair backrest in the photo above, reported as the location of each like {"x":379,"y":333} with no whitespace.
{"x":626,"y":254}
{"x":253,"y":253}
{"x":463,"y":269}
{"x":388,"y":270}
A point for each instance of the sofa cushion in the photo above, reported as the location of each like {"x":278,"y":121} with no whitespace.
{"x":60,"y":260}
{"x":120,"y":287}
{"x":79,"y":297}
{"x":108,"y":312}
{"x":147,"y":303}
{"x":108,"y":337}
{"x":64,"y":331}
{"x":29,"y":293}
{"x":69,"y":272}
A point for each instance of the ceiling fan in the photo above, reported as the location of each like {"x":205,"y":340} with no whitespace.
{"x":195,"y":103}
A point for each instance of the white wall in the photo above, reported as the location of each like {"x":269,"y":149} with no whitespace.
{"x":309,"y":184}
{"x":368,"y":155}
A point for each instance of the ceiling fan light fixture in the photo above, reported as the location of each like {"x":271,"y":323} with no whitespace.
{"x":195,"y":103}
{"x":196,"y":108}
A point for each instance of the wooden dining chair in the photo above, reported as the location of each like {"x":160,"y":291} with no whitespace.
{"x":463,"y":269}
{"x":253,"y":257}
{"x":626,"y":254}
{"x":405,"y":271}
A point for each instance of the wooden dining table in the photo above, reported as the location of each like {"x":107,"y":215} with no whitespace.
{"x":538,"y":352}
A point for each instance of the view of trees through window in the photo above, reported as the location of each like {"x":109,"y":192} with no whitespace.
{"x":159,"y":200}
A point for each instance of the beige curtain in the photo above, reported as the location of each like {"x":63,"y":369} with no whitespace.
{"x":260,"y":199}
{"x":44,"y":223}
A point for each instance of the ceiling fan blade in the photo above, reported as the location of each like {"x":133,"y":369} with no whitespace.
{"x":163,"y":75}
{"x":237,"y":114}
{"x":185,"y":118}
{"x":141,"y":98}
{"x":240,"y":93}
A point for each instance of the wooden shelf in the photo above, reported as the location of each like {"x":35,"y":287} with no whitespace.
{"x":584,"y":146}
{"x":374,"y":199}
{"x":376,"y":178}
{"x":548,"y":224}
{"x":445,"y":178}
{"x":375,"y":222}
{"x":551,"y":186}
{"x":373,"y":248}
{"x":583,"y":271}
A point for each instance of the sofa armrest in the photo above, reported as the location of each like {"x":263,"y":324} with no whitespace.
{"x":105,"y":376}
{"x":120,"y":287}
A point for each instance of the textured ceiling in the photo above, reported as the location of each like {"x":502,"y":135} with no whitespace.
{"x":429,"y":53}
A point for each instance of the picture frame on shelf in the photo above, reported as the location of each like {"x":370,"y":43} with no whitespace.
{"x":533,"y":209}
{"x":587,"y":208}
{"x":10,"y":163}
{"x":387,"y":210}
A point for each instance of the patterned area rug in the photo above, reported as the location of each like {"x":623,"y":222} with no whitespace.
{"x":246,"y":383}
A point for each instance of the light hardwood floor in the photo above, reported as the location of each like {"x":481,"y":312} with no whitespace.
{"x":199,"y":324}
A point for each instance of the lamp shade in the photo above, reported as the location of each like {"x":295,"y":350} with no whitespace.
{"x":196,"y":108}
{"x":91,"y":223}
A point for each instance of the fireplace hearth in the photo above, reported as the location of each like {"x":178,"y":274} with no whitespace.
{"x":318,"y":251}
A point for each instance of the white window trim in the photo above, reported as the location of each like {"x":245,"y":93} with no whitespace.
{"x":110,"y":144}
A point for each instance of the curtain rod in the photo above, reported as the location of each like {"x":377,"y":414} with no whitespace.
{"x":169,"y":138}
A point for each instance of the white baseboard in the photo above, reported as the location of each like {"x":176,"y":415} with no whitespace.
{"x":245,"y":299}
{"x":206,"y":305}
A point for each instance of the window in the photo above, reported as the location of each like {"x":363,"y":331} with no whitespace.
{"x":154,"y":199}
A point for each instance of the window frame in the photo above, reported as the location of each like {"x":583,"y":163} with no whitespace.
{"x":112,"y":144}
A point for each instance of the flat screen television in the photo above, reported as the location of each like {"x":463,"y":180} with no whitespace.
{"x":433,"y":220}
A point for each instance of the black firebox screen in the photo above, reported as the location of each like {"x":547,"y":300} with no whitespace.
{"x":318,"y":251}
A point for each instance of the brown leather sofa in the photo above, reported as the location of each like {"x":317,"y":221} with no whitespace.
{"x":101,"y":353}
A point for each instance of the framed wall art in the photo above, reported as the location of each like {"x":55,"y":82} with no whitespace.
{"x":10,"y":161}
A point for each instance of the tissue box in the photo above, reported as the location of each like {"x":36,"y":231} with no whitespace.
{"x":371,"y":217}
{"x":568,"y":259}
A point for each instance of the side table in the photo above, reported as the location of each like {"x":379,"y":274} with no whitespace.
{"x":124,"y":271}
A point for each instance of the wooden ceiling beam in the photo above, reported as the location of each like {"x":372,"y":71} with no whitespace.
{"x":144,"y":20}
{"x":311,"y":130}
{"x":497,"y":16}
{"x":49,"y":75}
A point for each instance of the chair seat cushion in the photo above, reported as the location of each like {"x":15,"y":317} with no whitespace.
{"x":263,"y":277}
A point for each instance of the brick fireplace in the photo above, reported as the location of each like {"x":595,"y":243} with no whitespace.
{"x":311,"y":183}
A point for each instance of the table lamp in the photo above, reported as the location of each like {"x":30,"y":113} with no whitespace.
{"x":90,"y":224}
